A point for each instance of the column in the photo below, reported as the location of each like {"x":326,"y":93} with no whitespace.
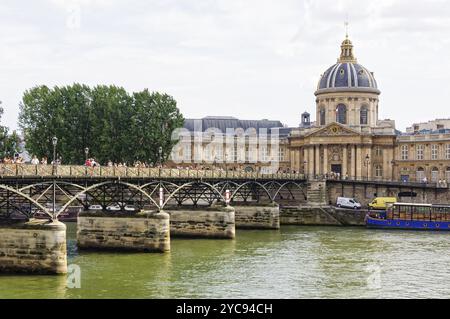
{"x":325,"y":160}
{"x":352,"y":163}
{"x":386,"y":164}
{"x":305,"y":160}
{"x":317,"y":158}
{"x":369,"y":169}
{"x":344,"y":161}
{"x":311,"y":161}
{"x":359,"y":173}
{"x":291,"y":159}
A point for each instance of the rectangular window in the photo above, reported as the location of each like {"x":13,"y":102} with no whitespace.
{"x":230,"y":153}
{"x":218,"y":153}
{"x":378,"y":151}
{"x":187,"y":152}
{"x":434,"y":151}
{"x":281,"y":154}
{"x":264,"y":154}
{"x":404,"y":152}
{"x":447,"y":151}
{"x":252,"y":152}
{"x":419,"y":152}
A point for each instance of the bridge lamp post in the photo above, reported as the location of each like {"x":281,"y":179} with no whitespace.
{"x":226,"y":162}
{"x":54,"y":142}
{"x":86,"y":152}
{"x":160,"y":150}
{"x":367,"y":164}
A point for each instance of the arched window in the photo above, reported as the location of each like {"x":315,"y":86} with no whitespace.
{"x":434,"y":175}
{"x":420,"y":174}
{"x":322,"y":116}
{"x":341,"y":114}
{"x":364,"y":116}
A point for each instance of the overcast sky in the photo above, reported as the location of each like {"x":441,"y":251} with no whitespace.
{"x":252,"y":59}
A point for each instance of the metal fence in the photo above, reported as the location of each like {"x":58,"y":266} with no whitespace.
{"x":78,"y":171}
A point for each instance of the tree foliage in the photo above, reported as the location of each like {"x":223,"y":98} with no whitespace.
{"x":9,"y":143}
{"x":112,"y":123}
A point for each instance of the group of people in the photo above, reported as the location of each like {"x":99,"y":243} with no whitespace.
{"x":13,"y":160}
{"x":335,"y":176}
{"x":91,"y":162}
{"x":442,"y":183}
{"x":36,"y":161}
{"x":136,"y":164}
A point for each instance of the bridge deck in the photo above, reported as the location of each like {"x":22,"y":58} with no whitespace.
{"x":82,"y":172}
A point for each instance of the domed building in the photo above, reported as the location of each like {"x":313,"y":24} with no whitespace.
{"x":347,"y":138}
{"x":344,"y":77}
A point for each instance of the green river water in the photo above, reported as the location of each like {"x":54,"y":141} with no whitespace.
{"x":294,"y":262}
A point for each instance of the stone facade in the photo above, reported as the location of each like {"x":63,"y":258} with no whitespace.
{"x":347,"y":138}
{"x":420,"y":156}
{"x":254,"y":216}
{"x":202,"y":222}
{"x":147,"y":231}
{"x":37,"y":246}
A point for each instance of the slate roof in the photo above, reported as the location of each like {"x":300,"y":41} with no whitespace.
{"x":223,"y":123}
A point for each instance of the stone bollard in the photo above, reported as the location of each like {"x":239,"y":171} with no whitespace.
{"x":36,"y":247}
{"x":257,"y":216}
{"x":202,"y":222}
{"x":128,"y":231}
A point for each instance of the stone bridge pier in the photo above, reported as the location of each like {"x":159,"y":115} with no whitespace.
{"x":35,"y":246}
{"x":144,"y":231}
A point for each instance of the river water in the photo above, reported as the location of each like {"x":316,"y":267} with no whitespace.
{"x":294,"y":262}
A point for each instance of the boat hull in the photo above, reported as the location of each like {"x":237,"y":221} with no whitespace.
{"x":406,"y":224}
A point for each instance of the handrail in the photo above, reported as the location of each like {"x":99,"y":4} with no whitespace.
{"x":81,"y":171}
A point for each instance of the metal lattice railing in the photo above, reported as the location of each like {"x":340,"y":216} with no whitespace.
{"x":78,"y":171}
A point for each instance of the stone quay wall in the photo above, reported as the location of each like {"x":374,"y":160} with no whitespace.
{"x":365,"y":193}
{"x":254,"y":216}
{"x":322,"y":216}
{"x":145,"y":231}
{"x":202,"y":222}
{"x":35,"y":246}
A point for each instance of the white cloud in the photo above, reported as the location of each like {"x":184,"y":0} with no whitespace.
{"x":250,"y":59}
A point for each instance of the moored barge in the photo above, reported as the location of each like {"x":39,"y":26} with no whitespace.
{"x":411,"y":216}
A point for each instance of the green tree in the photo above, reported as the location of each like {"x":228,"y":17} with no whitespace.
{"x":113,"y":124}
{"x":9,"y":143}
{"x":38,"y":119}
{"x":156,"y":117}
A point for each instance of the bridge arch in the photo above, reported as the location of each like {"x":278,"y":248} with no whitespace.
{"x":208,"y":185}
{"x":299,"y":186}
{"x":34,"y":202}
{"x":252,"y":183}
{"x":90,"y":188}
{"x":51,"y":183}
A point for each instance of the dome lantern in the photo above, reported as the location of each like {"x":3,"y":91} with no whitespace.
{"x":347,"y":52}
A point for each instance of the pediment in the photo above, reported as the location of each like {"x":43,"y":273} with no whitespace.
{"x":334,"y":129}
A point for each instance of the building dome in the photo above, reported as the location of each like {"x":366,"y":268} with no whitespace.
{"x":347,"y":74}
